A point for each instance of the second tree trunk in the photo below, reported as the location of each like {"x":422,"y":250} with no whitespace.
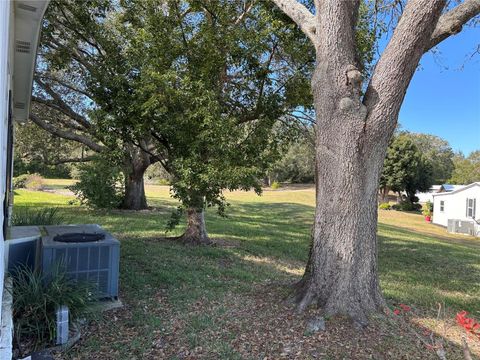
{"x":196,"y":231}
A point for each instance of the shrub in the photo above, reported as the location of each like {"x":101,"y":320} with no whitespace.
{"x":427,"y":209}
{"x":275,"y":185}
{"x":34,"y":182}
{"x":20,"y":181}
{"x":384,"y":206}
{"x":29,"y":181}
{"x":36,"y":298}
{"x":100,"y":184}
{"x":406,"y":206}
{"x":34,"y":216}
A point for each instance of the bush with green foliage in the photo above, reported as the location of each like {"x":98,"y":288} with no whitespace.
{"x":36,"y":216}
{"x":297,"y":164}
{"x":28,"y":181}
{"x":20,"y":181}
{"x":35,"y":300}
{"x":100,"y":185}
{"x":427,"y":209}
{"x":385,"y":206}
{"x":275,"y":185}
{"x":406,"y":206}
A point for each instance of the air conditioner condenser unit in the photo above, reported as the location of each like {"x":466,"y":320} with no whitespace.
{"x":86,"y":252}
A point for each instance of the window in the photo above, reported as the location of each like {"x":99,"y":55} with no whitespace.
{"x":442,"y":206}
{"x":471,"y":208}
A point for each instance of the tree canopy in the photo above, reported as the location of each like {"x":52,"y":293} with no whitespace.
{"x":38,"y":151}
{"x":438,"y":153}
{"x":467,"y":169}
{"x":211,"y":82}
{"x":406,"y":168}
{"x":83,"y":81}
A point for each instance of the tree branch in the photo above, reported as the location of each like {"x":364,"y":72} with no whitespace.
{"x":69,"y":160}
{"x":300,"y":15}
{"x":245,"y":12}
{"x":395,"y":69}
{"x":66,"y":85}
{"x":66,"y":134}
{"x":72,"y":124}
{"x":60,"y":103}
{"x":451,"y":23}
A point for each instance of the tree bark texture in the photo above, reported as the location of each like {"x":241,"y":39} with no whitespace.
{"x":196,"y":231}
{"x":353,"y":131}
{"x":136,"y":163}
{"x":341,"y":273}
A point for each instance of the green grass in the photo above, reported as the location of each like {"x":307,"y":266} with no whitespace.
{"x":420,"y":264}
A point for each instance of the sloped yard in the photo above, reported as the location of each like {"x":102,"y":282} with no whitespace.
{"x":227,"y":301}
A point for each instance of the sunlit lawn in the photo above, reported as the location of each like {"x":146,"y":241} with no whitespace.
{"x":268,"y":237}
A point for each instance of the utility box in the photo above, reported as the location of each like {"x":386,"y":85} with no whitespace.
{"x":86,"y":252}
{"x":461,"y":227}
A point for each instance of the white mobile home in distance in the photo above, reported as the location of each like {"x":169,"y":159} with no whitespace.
{"x":457,"y":210}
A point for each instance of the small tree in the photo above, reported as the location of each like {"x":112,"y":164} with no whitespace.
{"x":405,"y":169}
{"x":216,"y":79}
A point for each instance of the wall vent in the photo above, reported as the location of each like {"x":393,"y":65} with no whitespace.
{"x":22,"y":46}
{"x":27,"y":7}
{"x":19,"y":105}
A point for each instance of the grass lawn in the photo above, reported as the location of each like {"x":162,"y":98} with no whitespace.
{"x":227,"y":301}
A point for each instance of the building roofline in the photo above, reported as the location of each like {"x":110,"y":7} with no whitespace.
{"x":458,"y":190}
{"x":28,"y":17}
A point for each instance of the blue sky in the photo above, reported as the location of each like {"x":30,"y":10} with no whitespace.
{"x":444,"y":96}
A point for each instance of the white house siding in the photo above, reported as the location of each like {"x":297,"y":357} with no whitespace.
{"x":5,"y":81}
{"x":455,"y":204}
{"x":6,"y":16}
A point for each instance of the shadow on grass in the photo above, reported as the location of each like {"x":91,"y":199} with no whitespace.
{"x":272,"y":240}
{"x":414,"y":267}
{"x":427,"y":271}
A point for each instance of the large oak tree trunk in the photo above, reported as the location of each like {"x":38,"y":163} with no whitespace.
{"x":353,"y":130}
{"x":352,"y":139}
{"x":136,"y":163}
{"x":341,"y":273}
{"x":196,"y":231}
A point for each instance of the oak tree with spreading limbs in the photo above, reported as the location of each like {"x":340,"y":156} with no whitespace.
{"x":217,"y":77}
{"x":84,"y":80}
{"x":353,"y":131}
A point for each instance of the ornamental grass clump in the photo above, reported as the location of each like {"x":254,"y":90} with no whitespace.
{"x":23,"y":215}
{"x":36,"y":298}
